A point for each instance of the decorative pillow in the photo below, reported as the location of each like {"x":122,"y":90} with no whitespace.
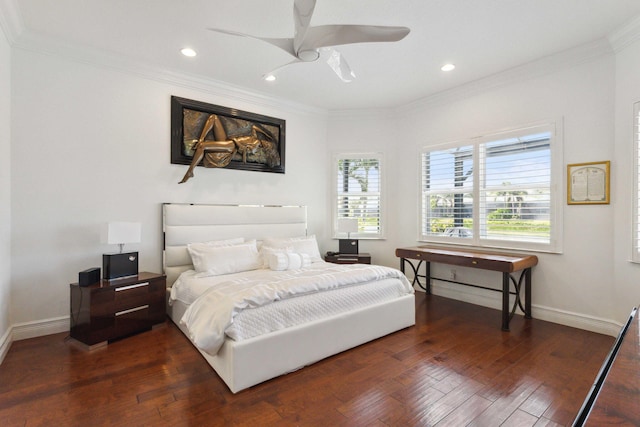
{"x":280,"y":261}
{"x":304,"y":245}
{"x":267,"y":251}
{"x":217,"y":260}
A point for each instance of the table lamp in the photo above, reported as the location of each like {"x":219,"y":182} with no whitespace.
{"x":348,"y":245}
{"x":122,"y":264}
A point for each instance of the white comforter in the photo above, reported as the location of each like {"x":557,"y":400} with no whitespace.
{"x":210,"y":314}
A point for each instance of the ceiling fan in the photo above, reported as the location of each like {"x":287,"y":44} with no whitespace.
{"x":309,"y":43}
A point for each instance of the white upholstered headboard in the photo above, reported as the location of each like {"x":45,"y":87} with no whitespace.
{"x":189,"y":223}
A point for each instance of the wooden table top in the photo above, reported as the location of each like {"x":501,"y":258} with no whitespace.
{"x":469,"y":258}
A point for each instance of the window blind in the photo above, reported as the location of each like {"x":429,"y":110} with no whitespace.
{"x":516,"y":192}
{"x":447,"y":197}
{"x":495,"y":190}
{"x":358,"y":183}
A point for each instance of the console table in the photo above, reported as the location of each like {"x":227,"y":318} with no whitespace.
{"x":504,"y":263}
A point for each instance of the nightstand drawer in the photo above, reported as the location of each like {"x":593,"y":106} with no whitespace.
{"x":132,"y":320}
{"x":348,"y":258}
{"x":135,"y":295}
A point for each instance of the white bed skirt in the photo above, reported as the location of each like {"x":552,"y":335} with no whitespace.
{"x":252,"y":361}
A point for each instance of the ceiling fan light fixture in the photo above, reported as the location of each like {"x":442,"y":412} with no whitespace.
{"x":308,"y":55}
{"x":187,"y":51}
{"x":448,"y":67}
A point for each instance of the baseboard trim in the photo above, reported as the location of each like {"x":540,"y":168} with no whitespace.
{"x":23,"y":331}
{"x":494,"y":300}
{"x":488,"y":299}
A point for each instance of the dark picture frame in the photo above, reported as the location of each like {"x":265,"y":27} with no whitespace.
{"x":187,"y":123}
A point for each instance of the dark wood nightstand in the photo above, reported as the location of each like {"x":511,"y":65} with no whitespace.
{"x":348,"y":258}
{"x":116,"y":308}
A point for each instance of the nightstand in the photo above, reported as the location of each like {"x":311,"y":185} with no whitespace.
{"x":348,"y":258}
{"x":116,"y":308}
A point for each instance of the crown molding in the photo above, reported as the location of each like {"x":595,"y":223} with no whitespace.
{"x":361,"y":113}
{"x":37,"y":43}
{"x":11,"y":24}
{"x":625,"y":36}
{"x":540,"y":67}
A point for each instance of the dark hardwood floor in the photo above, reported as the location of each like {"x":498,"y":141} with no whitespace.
{"x":454,"y":368}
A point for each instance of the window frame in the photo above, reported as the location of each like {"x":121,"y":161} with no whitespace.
{"x":337,"y":157}
{"x":556,"y":186}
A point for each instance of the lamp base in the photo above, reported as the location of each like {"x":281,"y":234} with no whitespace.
{"x":348,"y":246}
{"x":115,"y":266}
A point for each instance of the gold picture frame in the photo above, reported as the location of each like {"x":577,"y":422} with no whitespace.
{"x":588,"y":183}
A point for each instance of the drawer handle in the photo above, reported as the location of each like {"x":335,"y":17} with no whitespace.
{"x":137,"y":285}
{"x":131,"y":310}
{"x":474,"y":262}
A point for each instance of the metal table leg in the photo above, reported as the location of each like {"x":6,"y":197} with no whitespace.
{"x":505,"y":301}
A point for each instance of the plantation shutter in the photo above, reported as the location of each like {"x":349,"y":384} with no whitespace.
{"x":495,"y":191}
{"x":516,"y":190}
{"x":447,"y":188}
{"x":358,"y":193}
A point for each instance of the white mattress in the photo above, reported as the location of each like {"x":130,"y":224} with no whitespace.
{"x":307,"y":308}
{"x":285,"y":313}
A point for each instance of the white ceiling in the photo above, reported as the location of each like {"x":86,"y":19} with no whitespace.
{"x":482,"y":37}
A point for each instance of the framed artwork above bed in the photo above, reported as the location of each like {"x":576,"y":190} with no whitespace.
{"x":228,"y":138}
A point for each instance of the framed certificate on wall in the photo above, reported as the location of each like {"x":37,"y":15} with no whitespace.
{"x":588,"y":183}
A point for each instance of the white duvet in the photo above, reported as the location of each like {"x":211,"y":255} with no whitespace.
{"x":223,"y":297}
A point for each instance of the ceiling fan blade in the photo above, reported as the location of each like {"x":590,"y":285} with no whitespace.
{"x":285,"y":44}
{"x":275,"y":71}
{"x":339,"y":65}
{"x":302,"y":12}
{"x":335,"y":35}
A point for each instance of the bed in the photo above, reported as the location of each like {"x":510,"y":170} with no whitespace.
{"x":244,"y":361}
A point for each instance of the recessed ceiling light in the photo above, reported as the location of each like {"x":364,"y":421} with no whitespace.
{"x":270,"y":78}
{"x":448,"y":67}
{"x":187,"y":51}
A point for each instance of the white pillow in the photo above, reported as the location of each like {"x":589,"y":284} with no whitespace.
{"x":197,"y":250}
{"x":225,"y":242}
{"x":280,"y":261}
{"x":267,"y":251}
{"x":217,"y":260}
{"x":304,"y":245}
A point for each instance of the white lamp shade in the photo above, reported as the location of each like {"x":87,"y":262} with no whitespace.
{"x":348,"y":225}
{"x":118,"y":233}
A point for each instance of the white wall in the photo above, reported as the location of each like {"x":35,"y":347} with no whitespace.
{"x":5,"y":193}
{"x":579,"y":279}
{"x":626,"y":278}
{"x":574,"y":287}
{"x":92,"y":144}
{"x":365,"y":133}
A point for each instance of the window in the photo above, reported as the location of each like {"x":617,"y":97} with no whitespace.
{"x":498,"y":190}
{"x":635,"y":256}
{"x":358,"y":193}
